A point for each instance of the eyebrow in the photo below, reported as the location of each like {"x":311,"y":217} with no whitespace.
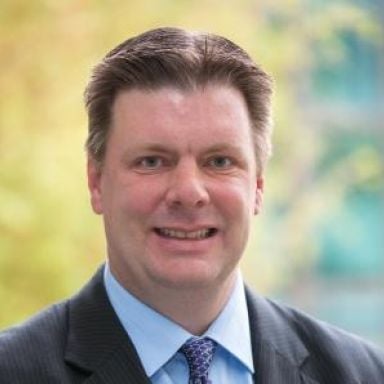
{"x":156,"y":148}
{"x":160,"y":148}
{"x":223,"y":147}
{"x":151,"y":148}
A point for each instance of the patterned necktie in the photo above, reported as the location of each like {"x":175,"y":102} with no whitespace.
{"x":199,"y":354}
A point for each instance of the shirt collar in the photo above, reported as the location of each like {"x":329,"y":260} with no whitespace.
{"x":232,"y":325}
{"x":157,"y":338}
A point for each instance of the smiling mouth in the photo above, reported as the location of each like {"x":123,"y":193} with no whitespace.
{"x":186,"y":235}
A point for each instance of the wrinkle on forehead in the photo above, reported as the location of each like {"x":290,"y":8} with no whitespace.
{"x":192,"y":120}
{"x":201,"y":100}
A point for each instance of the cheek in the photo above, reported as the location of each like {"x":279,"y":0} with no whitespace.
{"x":237,"y":199}
{"x":139,"y":197}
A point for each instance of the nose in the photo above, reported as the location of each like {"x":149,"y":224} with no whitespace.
{"x":186,"y":187}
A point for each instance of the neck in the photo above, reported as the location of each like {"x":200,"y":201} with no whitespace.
{"x":193,"y":308}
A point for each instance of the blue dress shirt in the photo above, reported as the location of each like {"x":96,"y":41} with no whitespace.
{"x":157,"y":339}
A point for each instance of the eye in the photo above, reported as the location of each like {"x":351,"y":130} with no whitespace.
{"x":150,"y":162}
{"x":220,"y":162}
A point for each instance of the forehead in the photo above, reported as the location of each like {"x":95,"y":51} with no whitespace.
{"x":212,"y":113}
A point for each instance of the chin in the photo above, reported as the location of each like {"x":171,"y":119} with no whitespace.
{"x":191,"y":277}
{"x":183,"y":279}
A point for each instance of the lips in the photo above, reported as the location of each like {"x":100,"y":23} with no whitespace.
{"x":179,"y":234}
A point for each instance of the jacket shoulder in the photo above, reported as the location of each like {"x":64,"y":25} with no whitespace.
{"x":340,"y":351}
{"x":333,"y":355}
{"x":27,"y":349}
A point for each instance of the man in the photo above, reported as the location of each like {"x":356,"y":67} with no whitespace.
{"x":179,"y":136}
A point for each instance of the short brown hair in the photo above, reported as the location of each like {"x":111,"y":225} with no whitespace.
{"x":183,"y":59}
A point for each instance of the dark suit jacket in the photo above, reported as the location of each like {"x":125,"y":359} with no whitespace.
{"x":82,"y":341}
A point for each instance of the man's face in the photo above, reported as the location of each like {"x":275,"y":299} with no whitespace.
{"x":177,"y":188}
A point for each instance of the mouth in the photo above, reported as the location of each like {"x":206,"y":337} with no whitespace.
{"x":178,"y":234}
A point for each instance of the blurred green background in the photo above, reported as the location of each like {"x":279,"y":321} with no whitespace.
{"x":318,"y":244}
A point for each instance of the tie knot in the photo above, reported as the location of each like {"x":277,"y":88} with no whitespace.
{"x":199,"y":354}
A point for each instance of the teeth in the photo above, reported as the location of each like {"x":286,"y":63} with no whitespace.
{"x":196,"y":235}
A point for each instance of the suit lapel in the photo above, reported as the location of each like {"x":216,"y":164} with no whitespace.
{"x":97,"y":343}
{"x":119,"y":368}
{"x":278,"y":353}
{"x":273,"y":368}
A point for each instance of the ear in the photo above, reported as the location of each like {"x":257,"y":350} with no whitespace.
{"x":94,"y":185}
{"x":259,"y":195}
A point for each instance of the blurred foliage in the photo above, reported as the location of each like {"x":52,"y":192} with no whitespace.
{"x":50,"y":241}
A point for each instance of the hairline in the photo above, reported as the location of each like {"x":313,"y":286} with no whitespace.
{"x":185,"y":88}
